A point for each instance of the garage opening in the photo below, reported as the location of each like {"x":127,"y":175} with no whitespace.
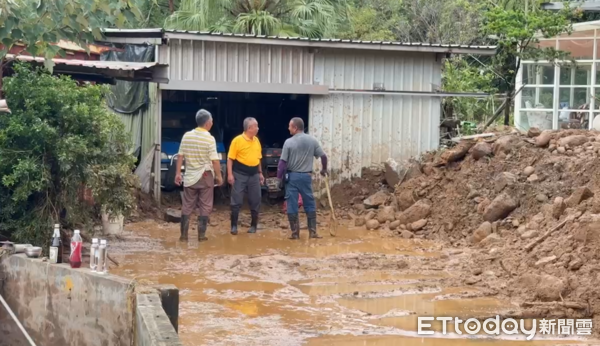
{"x":272,"y":111}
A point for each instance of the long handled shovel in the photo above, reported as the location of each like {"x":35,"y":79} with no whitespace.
{"x":333,"y":224}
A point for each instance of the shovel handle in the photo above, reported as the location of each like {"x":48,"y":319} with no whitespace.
{"x":329,"y":195}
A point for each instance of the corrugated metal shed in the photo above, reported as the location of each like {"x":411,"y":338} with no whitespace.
{"x":361,"y":130}
{"x":222,"y":66}
{"x":370,"y":100}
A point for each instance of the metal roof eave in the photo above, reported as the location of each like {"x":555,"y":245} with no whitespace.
{"x":588,"y":6}
{"x":334,"y":44}
{"x":140,"y":72}
{"x":156,"y":36}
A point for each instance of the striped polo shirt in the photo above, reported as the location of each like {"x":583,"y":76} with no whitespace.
{"x":199,"y":149}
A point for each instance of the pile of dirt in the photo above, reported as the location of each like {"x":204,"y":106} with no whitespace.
{"x":355,"y":191}
{"x":528,"y":206}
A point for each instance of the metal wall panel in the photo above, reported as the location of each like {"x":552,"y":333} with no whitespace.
{"x":206,"y":61}
{"x":364,"y":130}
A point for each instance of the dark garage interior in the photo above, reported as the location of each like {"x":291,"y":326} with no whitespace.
{"x":272,"y":111}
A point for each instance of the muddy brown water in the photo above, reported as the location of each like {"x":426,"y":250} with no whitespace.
{"x":358,"y":288}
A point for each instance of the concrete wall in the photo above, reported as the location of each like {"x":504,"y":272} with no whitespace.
{"x":153,"y":326}
{"x":10,"y":334}
{"x":62,"y":306}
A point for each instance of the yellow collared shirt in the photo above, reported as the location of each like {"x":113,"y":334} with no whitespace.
{"x":246,"y":151}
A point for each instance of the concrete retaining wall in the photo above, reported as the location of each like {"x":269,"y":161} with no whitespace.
{"x":10,"y":334}
{"x":153,"y":326}
{"x":62,"y":306}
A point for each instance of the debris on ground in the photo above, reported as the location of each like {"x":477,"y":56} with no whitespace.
{"x":527,"y":203}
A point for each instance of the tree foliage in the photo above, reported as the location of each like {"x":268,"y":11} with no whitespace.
{"x":306,"y":18}
{"x":59,"y":138}
{"x":40,"y":23}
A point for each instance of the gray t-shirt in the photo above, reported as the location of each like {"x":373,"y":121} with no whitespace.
{"x":298,"y":152}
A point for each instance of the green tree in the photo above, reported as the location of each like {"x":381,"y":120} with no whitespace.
{"x":39,"y":23}
{"x":59,"y":138}
{"x":373,"y":20}
{"x":517,"y":31}
{"x":306,"y":18}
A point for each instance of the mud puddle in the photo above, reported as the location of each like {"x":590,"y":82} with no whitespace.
{"x":358,"y":288}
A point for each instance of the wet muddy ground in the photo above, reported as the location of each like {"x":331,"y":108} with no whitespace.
{"x":359,"y":288}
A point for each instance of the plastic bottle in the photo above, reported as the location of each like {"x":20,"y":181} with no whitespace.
{"x":56,"y":248}
{"x":100,"y":256}
{"x":105,"y":259}
{"x":76,"y":243}
{"x":94,"y":255}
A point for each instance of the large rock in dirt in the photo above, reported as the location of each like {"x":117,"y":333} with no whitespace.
{"x":481,"y":150}
{"x":503,"y":180}
{"x":485,"y":202}
{"x":573,"y":141}
{"x":550,"y":288}
{"x":413,"y":170}
{"x":528,"y":171}
{"x":406,"y":234}
{"x":372,"y":224}
{"x":546,"y":260}
{"x":391,"y":176}
{"x":579,"y":195}
{"x":370,"y":215}
{"x":558,"y":207}
{"x":484,"y":230}
{"x":493,"y":238}
{"x":416,"y":212}
{"x":533,"y":132}
{"x":505,"y":144}
{"x":375,"y":200}
{"x":385,"y":214}
{"x":360,"y":221}
{"x":418,"y":225}
{"x":394,"y":225}
{"x":544,"y":138}
{"x":172,"y":215}
{"x":588,"y":231}
{"x":455,"y":154}
{"x":500,"y":208}
{"x":405,"y":199}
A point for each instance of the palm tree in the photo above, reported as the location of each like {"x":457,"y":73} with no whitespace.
{"x":306,"y":18}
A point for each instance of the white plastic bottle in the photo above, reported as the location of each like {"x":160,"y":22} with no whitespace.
{"x":101,"y":263}
{"x":94,"y":255}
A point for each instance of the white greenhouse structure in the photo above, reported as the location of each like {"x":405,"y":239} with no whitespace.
{"x":564,"y":94}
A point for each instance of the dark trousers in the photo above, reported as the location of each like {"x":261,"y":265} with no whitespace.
{"x":299,"y":183}
{"x":249,"y":184}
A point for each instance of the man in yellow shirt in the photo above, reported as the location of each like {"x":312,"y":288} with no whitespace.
{"x":203,"y":169}
{"x":244,"y":173}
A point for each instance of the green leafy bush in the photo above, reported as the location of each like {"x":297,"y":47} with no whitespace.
{"x":59,"y":140}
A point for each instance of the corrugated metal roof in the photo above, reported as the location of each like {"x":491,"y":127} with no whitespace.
{"x":101,"y":65}
{"x":331,"y":40}
{"x":319,"y":42}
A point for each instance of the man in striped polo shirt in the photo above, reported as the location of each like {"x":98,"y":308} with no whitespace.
{"x":202,"y":169}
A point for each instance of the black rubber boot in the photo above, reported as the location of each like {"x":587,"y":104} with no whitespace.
{"x":202,"y":225}
{"x":185,"y":226}
{"x":294,"y":226}
{"x":254,"y":222}
{"x":234,"y":221}
{"x":311,"y":218}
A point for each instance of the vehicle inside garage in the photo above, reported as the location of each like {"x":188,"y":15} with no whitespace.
{"x":272,"y":111}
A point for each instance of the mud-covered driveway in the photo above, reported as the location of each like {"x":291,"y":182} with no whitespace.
{"x":359,"y":288}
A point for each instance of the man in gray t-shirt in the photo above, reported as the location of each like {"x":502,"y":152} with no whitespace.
{"x":296,"y":161}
